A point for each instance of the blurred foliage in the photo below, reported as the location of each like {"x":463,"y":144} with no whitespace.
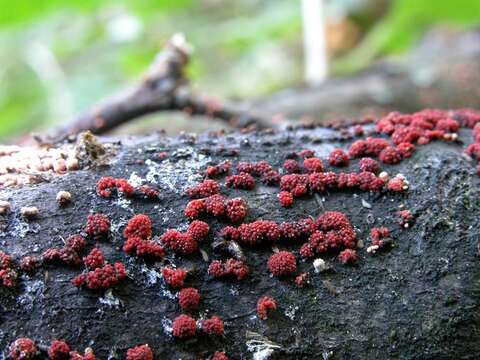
{"x":58,"y":57}
{"x":405,"y":23}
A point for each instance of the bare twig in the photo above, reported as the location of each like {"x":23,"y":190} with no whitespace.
{"x":163,"y":87}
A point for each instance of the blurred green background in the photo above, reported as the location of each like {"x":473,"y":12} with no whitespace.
{"x":59,"y":57}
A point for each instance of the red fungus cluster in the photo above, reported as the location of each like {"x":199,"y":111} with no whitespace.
{"x":204,"y":189}
{"x":198,"y":230}
{"x":302,"y":279}
{"x":219,"y":355}
{"x":265,"y":304}
{"x":141,"y":352}
{"x":97,"y":225}
{"x":184,"y":326}
{"x":405,"y":218}
{"x":282,"y":263}
{"x":348,"y":256}
{"x":107,"y":185}
{"x":319,"y":182}
{"x":241,"y":181}
{"x":218,"y":170}
{"x":285,"y":198}
{"x":213,"y":326}
{"x":334,"y":232}
{"x":23,"y":349}
{"x":94,"y":259}
{"x":138,"y":226}
{"x":69,"y":254}
{"x":229,"y":268}
{"x":369,"y":164}
{"x":174,"y":277}
{"x":264,"y":170}
{"x":8,"y":275}
{"x":258,"y":232}
{"x":189,"y":299}
{"x":101,"y":278}
{"x":380,"y":239}
{"x":338,"y":157}
{"x":59,"y":350}
{"x":143,"y":248}
{"x":186,"y":243}
{"x":218,"y":206}
{"x":29,"y":264}
{"x":313,"y":165}
{"x":291,"y":166}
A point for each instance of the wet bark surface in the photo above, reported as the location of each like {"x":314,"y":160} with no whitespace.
{"x":419,"y":300}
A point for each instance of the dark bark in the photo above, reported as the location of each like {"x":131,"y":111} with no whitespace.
{"x":419,"y":300}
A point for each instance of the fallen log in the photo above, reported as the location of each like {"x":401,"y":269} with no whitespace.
{"x":417,"y":300}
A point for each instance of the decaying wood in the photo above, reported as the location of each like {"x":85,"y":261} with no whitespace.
{"x":419,"y":300}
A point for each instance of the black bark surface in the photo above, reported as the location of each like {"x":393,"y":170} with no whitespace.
{"x":419,"y":300}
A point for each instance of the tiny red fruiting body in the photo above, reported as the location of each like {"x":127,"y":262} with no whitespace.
{"x":217,"y":170}
{"x":215,"y":205}
{"x":213,"y":326}
{"x":29,"y":264}
{"x":230,"y":233}
{"x":282,"y":263}
{"x":59,"y":350}
{"x":406,"y":149}
{"x":182,"y":243}
{"x":291,"y":166}
{"x":5,"y":260}
{"x":189,"y":299}
{"x":97,"y":225}
{"x":8,"y":275}
{"x":348,"y":256}
{"x":195,"y":208}
{"x":148,"y":192}
{"x":370,"y":165}
{"x":397,"y":184}
{"x":263,"y":169}
{"x":380,"y":238}
{"x":236,"y":209}
{"x":338,"y":158}
{"x":313,"y":164}
{"x":141,"y":352}
{"x":231,"y":267}
{"x":150,"y":249}
{"x":390,"y":155}
{"x":370,"y":182}
{"x":302,"y":279}
{"x":23,"y":349}
{"x":89,"y":355}
{"x":219,"y":355}
{"x":107,"y":184}
{"x":264,"y":304}
{"x":259,"y":231}
{"x":94,"y":259}
{"x":138,"y":226}
{"x":405,"y":218}
{"x":184,"y":326}
{"x":334,"y":232}
{"x":240,"y":181}
{"x":204,"y":189}
{"x":174,"y":277}
{"x":76,"y":242}
{"x":473,"y":150}
{"x":285,"y":198}
{"x":198,"y":230}
{"x":102,"y":278}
